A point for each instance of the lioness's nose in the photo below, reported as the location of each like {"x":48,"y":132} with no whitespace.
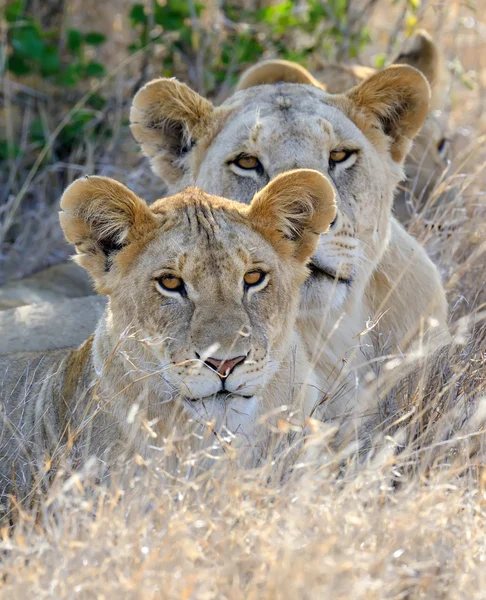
{"x":224,"y":367}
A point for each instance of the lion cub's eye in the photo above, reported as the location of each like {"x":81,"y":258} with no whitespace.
{"x":248,"y":162}
{"x":337,"y":156}
{"x":254,"y":278}
{"x":171,"y":283}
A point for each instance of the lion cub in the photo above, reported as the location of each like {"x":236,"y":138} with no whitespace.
{"x":200,"y":325}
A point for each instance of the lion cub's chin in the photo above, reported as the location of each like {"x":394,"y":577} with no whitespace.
{"x":226,"y":412}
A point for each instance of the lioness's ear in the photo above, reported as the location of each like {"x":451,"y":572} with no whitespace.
{"x":293,"y":210}
{"x":100,"y":217}
{"x":422,"y":53}
{"x":275,"y":71}
{"x":166,"y":119}
{"x":397,"y":98}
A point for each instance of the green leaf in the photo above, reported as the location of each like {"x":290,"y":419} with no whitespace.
{"x":173,"y":15}
{"x":247,"y":48}
{"x":74,"y":40}
{"x":27,"y":41}
{"x":96,"y":101}
{"x":49,"y":61}
{"x":9,"y":150}
{"x":137,"y":14}
{"x":14,"y":10}
{"x":94,"y":69}
{"x":296,"y":55}
{"x":380,"y":60}
{"x":340,"y":9}
{"x":70,"y":76}
{"x":36,"y":131}
{"x":18,"y":65}
{"x":95,"y":39}
{"x":74,"y":130}
{"x":170,"y":21}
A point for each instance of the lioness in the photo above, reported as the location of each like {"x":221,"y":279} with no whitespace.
{"x":203,"y":296}
{"x":423,"y":165}
{"x":367,"y":269}
{"x":428,"y":158}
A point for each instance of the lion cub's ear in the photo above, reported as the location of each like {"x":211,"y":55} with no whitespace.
{"x":100,"y":217}
{"x":275,"y":71}
{"x":398,"y":98}
{"x":167,"y":118}
{"x":293,"y":210}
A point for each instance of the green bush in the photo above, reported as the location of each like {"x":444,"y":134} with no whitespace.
{"x":34,"y":50}
{"x":56,"y":60}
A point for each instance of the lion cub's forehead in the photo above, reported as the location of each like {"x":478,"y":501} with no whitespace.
{"x":199,"y":215}
{"x":203,"y":233}
{"x":195,"y":200}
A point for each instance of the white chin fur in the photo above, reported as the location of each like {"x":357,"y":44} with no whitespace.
{"x":233,"y":414}
{"x":320,"y":297}
{"x":196,"y":381}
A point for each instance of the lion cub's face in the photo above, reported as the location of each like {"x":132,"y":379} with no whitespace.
{"x":209,"y":287}
{"x":358,"y":140}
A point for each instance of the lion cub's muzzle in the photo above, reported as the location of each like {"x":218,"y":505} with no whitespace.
{"x":205,"y":377}
{"x":223,"y":367}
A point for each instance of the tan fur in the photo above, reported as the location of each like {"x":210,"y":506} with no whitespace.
{"x":422,"y":52}
{"x":142,"y":377}
{"x":176,"y":100}
{"x":274,"y":71}
{"x":336,"y":78}
{"x":382,"y":273}
{"x":398,"y":98}
{"x":294,"y":205}
{"x":428,"y":158}
{"x":382,"y":99}
{"x":424,"y":164}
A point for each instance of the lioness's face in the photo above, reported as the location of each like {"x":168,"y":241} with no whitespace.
{"x":296,"y":126}
{"x":208,"y":288}
{"x":357,"y":140}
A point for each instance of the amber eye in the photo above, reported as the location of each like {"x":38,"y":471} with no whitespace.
{"x":171,"y":283}
{"x":254,"y":277}
{"x":338,"y":156}
{"x":247,"y":162}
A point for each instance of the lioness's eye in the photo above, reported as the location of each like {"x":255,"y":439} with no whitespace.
{"x":254,"y":278}
{"x":248,"y":162}
{"x":337,"y":156}
{"x":171,"y":283}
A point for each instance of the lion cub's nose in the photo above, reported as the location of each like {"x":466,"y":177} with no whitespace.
{"x":224,"y":367}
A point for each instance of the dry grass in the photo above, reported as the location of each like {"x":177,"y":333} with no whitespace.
{"x":402,"y":526}
{"x":405,"y":519}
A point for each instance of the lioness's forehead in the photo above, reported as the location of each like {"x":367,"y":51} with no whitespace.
{"x":289,"y":107}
